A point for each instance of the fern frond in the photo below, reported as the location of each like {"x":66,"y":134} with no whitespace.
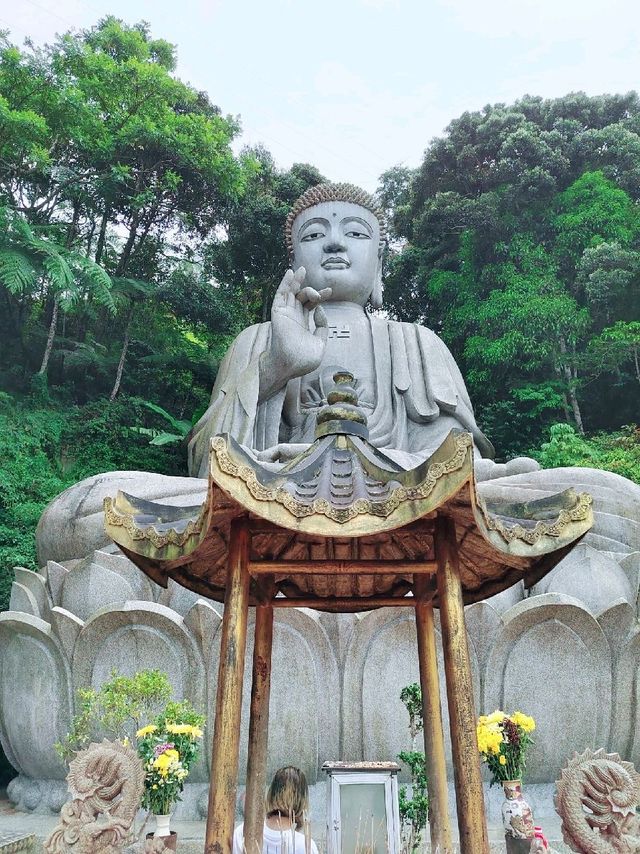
{"x":96,"y":280}
{"x":17,"y":273}
{"x":59,"y":273}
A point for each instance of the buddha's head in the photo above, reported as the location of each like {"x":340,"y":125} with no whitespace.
{"x":337,"y":232}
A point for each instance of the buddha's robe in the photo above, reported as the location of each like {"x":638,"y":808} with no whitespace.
{"x":419,"y":396}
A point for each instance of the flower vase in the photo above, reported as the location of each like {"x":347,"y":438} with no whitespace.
{"x":517,"y":818}
{"x":162,"y":825}
{"x":163,"y":839}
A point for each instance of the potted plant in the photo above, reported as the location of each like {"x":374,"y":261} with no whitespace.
{"x":168,"y":748}
{"x":503,"y":742}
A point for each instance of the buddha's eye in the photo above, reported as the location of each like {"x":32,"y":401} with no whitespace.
{"x":311,"y":235}
{"x":359,"y":235}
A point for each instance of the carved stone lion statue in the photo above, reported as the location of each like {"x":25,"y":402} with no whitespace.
{"x":106,"y":781}
{"x":596,"y":799}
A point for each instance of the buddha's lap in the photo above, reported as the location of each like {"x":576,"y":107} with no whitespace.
{"x":72,"y":526}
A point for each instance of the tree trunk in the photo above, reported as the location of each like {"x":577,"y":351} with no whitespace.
{"x":91,"y":232}
{"x":570,"y":378}
{"x":637,"y":364}
{"x":72,"y":231}
{"x":266,"y":308}
{"x":145,"y":232}
{"x":123,"y":356}
{"x":102,"y":236}
{"x":50,"y":337}
{"x":128,"y":247}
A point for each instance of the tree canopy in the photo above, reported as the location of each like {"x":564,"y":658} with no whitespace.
{"x":519,"y":242}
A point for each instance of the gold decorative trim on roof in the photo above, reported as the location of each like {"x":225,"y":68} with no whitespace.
{"x":124,"y":511}
{"x":311,"y":486}
{"x":333,"y":524}
{"x":578,"y":509}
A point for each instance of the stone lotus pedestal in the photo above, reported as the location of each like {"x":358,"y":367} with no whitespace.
{"x":574,"y":636}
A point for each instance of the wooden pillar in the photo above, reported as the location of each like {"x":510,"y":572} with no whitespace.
{"x":472,"y":822}
{"x":439,"y":821}
{"x":226,"y":735}
{"x":258,"y":727}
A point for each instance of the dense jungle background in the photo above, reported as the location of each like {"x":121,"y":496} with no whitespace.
{"x":134,"y":245}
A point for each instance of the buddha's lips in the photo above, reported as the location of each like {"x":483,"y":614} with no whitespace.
{"x":336,"y":262}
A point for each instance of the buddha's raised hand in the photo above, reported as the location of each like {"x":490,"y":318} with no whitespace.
{"x":295,"y":350}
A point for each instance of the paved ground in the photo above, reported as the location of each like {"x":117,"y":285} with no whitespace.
{"x":191,"y":833}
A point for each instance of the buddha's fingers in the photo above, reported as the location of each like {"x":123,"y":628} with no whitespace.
{"x":298,"y":279}
{"x":309,"y":297}
{"x":283,"y":294}
{"x":320,"y":320}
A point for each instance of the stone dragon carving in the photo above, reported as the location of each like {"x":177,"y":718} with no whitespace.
{"x":596,"y":799}
{"x":106,"y":781}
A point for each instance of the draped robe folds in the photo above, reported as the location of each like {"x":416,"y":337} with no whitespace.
{"x":420,"y":395}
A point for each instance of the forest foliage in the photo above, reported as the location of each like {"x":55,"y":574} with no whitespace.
{"x":518,"y":240}
{"x":134,"y":245}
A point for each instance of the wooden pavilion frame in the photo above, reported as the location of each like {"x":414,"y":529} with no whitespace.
{"x":344,"y":528}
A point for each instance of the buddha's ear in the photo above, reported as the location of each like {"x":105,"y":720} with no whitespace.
{"x":376,"y":293}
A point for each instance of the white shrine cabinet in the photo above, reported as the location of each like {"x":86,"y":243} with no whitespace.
{"x":362,"y":808}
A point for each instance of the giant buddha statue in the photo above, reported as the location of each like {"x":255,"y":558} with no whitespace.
{"x":276,"y":375}
{"x":567,"y":651}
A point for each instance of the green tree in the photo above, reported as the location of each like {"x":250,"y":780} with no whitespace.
{"x":30,"y":264}
{"x":124,"y":168}
{"x":250,"y":258}
{"x":521,"y":245}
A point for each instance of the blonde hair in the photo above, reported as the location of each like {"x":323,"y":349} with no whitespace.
{"x":288,"y":795}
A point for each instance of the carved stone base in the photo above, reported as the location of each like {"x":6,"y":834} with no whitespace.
{"x":159,"y":844}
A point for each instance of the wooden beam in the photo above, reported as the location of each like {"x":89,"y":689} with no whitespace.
{"x":226,"y":734}
{"x":259,"y":725}
{"x":342,"y":567}
{"x":436,"y":768}
{"x":472,"y":822}
{"x":331,"y":604}
{"x":423,"y":525}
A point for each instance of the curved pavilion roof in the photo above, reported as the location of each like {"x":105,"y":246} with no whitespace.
{"x":344,"y":527}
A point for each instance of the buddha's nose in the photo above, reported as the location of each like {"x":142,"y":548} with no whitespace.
{"x":334,"y":243}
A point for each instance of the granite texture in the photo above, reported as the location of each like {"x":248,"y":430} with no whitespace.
{"x":568,"y":651}
{"x":336,"y":677}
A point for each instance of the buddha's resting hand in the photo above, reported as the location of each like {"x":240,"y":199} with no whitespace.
{"x":282,"y":452}
{"x":295,"y":349}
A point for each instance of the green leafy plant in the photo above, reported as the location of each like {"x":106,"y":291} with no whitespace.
{"x":618,"y":452}
{"x":117,"y":708}
{"x":413,"y":801}
{"x":180,"y":428}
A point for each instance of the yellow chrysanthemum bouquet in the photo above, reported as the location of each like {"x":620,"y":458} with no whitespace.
{"x":503,"y":742}
{"x":168,"y":747}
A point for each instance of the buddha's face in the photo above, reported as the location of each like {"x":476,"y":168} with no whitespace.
{"x":338,"y":245}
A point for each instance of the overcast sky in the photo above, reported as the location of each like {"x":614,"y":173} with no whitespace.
{"x":357,"y":86}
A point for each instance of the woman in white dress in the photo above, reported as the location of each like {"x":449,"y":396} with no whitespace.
{"x":286,"y":829}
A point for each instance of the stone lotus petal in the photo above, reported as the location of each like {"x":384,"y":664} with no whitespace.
{"x":572,"y":705}
{"x":37,"y":701}
{"x":590,"y":576}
